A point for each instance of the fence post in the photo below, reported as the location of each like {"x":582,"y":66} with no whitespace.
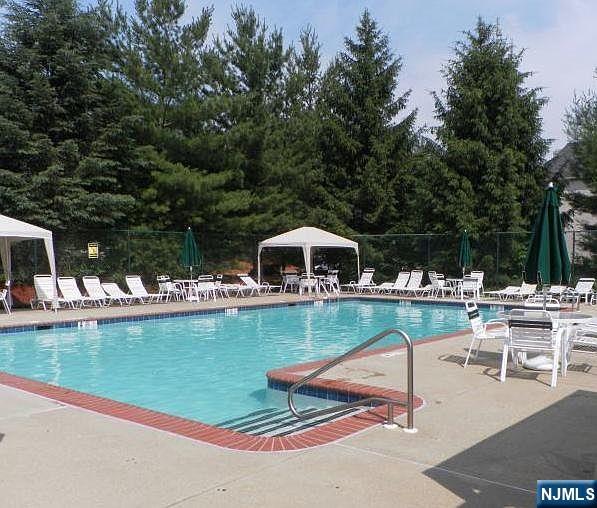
{"x":497,"y":255}
{"x":128,"y":249}
{"x":573,"y":251}
{"x":428,"y":252}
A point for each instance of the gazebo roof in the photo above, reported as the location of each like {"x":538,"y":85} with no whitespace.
{"x":308,"y":237}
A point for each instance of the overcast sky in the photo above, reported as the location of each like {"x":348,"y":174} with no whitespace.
{"x":559,"y":38}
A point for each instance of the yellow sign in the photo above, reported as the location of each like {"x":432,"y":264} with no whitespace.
{"x":93,"y":250}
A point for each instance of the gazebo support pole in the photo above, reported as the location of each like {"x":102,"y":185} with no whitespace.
{"x":259,"y":265}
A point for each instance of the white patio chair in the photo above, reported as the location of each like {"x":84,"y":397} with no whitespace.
{"x":308,"y":282}
{"x":290,"y":280}
{"x":531,"y":331}
{"x":203,"y":290}
{"x":169,"y":288}
{"x":332,"y":282}
{"x":398,"y":285}
{"x":365,"y":282}
{"x":4,"y":297}
{"x":583,"y":341}
{"x":439,"y":285}
{"x":44,"y":291}
{"x":71,"y":293}
{"x":118,"y":295}
{"x":479,"y":275}
{"x":95,"y":290}
{"x":480,"y":331}
{"x":469,"y":286}
{"x":138,"y":290}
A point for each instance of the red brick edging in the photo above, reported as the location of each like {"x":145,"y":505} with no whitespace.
{"x":226,"y":438}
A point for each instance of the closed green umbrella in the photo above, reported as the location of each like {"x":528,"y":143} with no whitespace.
{"x":190,"y":255}
{"x":547,"y":259}
{"x":464,"y":253}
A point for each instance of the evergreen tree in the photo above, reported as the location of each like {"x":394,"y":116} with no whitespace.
{"x":57,"y":106}
{"x":366,"y":150}
{"x":491,"y":131}
{"x":581,"y":127}
{"x":179,"y":180}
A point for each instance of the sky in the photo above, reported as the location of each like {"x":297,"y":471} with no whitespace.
{"x":558,"y":37}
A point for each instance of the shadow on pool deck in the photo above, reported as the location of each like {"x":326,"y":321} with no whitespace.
{"x":556,"y":443}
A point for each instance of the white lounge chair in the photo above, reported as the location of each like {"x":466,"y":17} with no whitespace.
{"x":398,"y":285}
{"x":584,"y":341}
{"x":118,"y":295}
{"x":531,"y":331}
{"x":96,"y":292}
{"x":71,"y":293}
{"x":365,"y":282}
{"x":44,"y":291}
{"x":414,"y":284}
{"x":583,"y":288}
{"x":527,"y":289}
{"x":537,"y":302}
{"x":504,"y":294}
{"x":252,"y":287}
{"x":480,"y":331}
{"x":138,"y":290}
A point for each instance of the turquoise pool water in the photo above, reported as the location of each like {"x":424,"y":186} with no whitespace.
{"x":211,"y":367}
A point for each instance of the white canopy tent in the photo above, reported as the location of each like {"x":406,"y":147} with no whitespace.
{"x":12,"y":231}
{"x":307,"y":239}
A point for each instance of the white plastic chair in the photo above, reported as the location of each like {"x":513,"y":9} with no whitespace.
{"x":398,"y":285}
{"x":169,"y":288}
{"x":365,"y":282}
{"x":531,"y":331}
{"x":479,"y":275}
{"x":584,"y":341}
{"x":44,"y":291}
{"x":71,"y":293}
{"x":469,"y":286}
{"x":138,"y":290}
{"x":480,"y":331}
{"x":253,"y":286}
{"x":118,"y":295}
{"x":414,"y":283}
{"x":4,"y":297}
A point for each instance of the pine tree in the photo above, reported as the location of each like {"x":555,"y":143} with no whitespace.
{"x":56,"y":103}
{"x":366,"y":149}
{"x":581,"y":128}
{"x":491,"y":130}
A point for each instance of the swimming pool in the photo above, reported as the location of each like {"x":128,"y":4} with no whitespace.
{"x":211,"y":367}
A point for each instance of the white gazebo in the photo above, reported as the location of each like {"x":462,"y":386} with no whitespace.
{"x":12,"y":231}
{"x":307,"y":239}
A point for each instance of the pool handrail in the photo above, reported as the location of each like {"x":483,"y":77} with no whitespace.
{"x":368,"y":400}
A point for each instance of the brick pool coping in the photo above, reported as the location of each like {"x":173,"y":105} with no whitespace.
{"x":230,"y":439}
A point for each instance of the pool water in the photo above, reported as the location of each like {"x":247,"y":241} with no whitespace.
{"x":212,"y":367}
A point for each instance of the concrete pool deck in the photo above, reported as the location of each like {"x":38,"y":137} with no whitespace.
{"x":480,"y":442}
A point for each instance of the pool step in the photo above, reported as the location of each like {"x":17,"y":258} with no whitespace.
{"x":279,"y":422}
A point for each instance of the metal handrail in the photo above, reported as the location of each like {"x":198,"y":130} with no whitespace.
{"x":366,"y":401}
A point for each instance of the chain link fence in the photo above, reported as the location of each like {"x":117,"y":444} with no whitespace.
{"x":149,"y":253}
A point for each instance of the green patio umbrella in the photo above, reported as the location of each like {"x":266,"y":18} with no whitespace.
{"x":190,"y":255}
{"x":464,"y":253}
{"x":547,"y":259}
